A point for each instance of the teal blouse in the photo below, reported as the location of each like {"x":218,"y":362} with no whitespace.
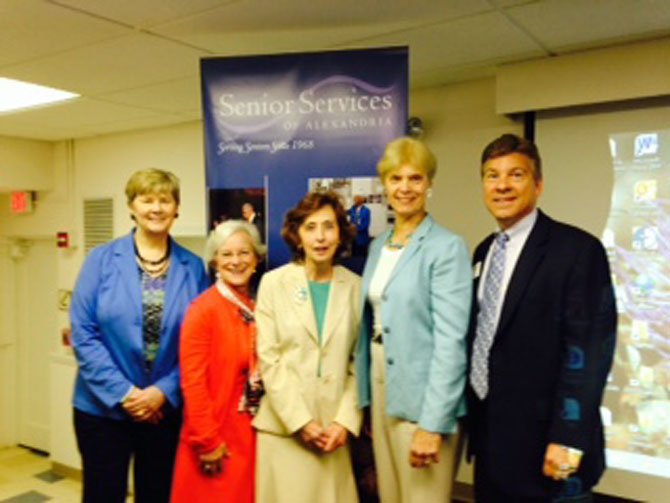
{"x":319,"y":293}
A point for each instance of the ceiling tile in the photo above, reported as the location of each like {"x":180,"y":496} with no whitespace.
{"x":443,"y":76}
{"x":122,"y":63}
{"x":31,"y":29}
{"x":484,"y":38}
{"x":271,"y":15}
{"x":144,"y":13}
{"x":510,"y":3}
{"x":137,"y":62}
{"x":123,"y":125}
{"x":69,"y":121}
{"x":570,"y":24}
{"x":181,"y":95}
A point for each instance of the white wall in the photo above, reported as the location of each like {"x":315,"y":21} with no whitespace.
{"x":8,"y":373}
{"x":104,"y":164}
{"x":25,"y":164}
{"x":459,"y":121}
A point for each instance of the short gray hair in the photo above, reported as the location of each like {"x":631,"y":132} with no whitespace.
{"x":224,"y":230}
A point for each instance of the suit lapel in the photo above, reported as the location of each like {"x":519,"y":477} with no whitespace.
{"x":478,"y":262}
{"x":177,"y":275}
{"x":124,"y":260}
{"x":531,"y":255}
{"x":338,"y":303}
{"x":414,"y":246}
{"x":296,"y":290}
{"x":371,"y":263}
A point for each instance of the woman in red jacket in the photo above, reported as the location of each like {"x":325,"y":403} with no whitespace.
{"x":221,"y":386}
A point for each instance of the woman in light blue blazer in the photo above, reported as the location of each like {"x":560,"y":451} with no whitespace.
{"x":126,"y":313}
{"x":411,"y":356}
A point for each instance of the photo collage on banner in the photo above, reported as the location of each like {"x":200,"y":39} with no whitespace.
{"x":277,"y":126}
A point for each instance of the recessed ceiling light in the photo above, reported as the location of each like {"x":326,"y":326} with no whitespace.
{"x":16,"y":95}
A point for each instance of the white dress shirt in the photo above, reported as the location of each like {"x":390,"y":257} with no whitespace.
{"x":518,"y":234}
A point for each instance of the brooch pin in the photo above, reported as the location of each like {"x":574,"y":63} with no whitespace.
{"x":300,"y":295}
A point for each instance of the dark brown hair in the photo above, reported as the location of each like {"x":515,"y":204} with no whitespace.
{"x":312,"y":202}
{"x":513,"y":144}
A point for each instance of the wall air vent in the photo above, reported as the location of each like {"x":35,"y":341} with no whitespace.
{"x":98,"y":222}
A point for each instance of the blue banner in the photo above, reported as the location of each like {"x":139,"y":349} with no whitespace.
{"x":274,"y":122}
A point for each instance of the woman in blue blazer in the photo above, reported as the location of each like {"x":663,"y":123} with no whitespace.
{"x":126,"y":313}
{"x":411,"y":356}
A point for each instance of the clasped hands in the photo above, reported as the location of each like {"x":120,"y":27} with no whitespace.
{"x":211,"y":463}
{"x":323,"y":439}
{"x":560,"y":461}
{"x":425,"y":448}
{"x":145,"y":405}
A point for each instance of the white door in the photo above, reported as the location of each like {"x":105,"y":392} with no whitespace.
{"x":37,"y":336}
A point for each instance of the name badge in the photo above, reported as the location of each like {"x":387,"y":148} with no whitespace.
{"x":476,"y":270}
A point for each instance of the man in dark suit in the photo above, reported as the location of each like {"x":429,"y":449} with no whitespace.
{"x":250,"y":214}
{"x":541,"y":342}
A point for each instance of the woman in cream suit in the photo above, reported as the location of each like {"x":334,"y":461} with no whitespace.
{"x":416,"y":291}
{"x":307,"y":317}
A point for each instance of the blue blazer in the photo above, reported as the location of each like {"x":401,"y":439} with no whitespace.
{"x":106,"y":317}
{"x":425,"y":312}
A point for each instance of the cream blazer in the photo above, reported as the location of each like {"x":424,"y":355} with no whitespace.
{"x":303,"y":380}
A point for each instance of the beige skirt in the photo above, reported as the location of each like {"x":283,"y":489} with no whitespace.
{"x":288,"y":472}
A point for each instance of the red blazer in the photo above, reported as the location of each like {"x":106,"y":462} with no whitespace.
{"x":215,"y":352}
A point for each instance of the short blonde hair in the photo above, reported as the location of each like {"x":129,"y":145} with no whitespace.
{"x":152,"y":181}
{"x":403,"y":151}
{"x":224,"y":230}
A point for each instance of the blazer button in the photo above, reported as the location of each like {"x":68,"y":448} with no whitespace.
{"x":385,"y":297}
{"x":387,"y":330}
{"x":389,"y":361}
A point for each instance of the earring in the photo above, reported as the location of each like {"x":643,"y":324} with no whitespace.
{"x":429,"y":193}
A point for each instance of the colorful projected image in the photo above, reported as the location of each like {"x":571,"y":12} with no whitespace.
{"x":636,"y":406}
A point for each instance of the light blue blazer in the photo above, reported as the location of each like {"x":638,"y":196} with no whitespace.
{"x":106,"y":318}
{"x":425,"y":313}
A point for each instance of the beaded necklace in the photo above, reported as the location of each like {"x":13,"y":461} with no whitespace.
{"x":153,"y":268}
{"x":396,"y":246}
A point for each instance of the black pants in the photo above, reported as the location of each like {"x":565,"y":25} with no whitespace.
{"x":486,"y":491}
{"x":106,"y":446}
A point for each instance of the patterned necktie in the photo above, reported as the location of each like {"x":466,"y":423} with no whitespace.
{"x":487,"y":317}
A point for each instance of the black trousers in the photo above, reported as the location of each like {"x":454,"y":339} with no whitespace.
{"x":486,"y":491}
{"x":106,"y":446}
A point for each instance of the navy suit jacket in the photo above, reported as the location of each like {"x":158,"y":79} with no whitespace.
{"x":549,"y":361}
{"x":106,"y":317}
